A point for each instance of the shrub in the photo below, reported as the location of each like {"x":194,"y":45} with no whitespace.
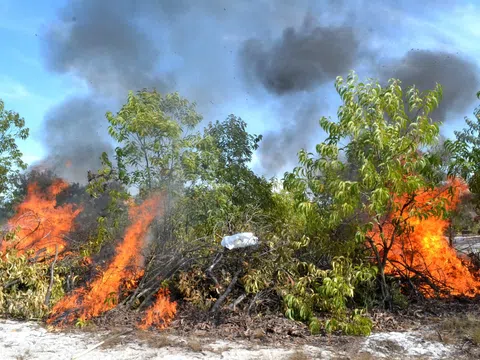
{"x":329,"y":291}
{"x":24,"y":286}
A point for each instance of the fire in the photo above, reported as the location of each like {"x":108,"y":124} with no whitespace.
{"x":102,"y":294}
{"x":42,"y":224}
{"x":426,"y":250}
{"x":161,"y":313}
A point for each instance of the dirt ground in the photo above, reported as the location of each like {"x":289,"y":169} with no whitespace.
{"x":27,"y":340}
{"x":438,"y":330}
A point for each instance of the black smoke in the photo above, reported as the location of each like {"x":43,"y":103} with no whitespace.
{"x":272,"y":51}
{"x":301,"y":60}
{"x":113,"y":46}
{"x":75,"y":136}
{"x":102,"y":44}
{"x":279,"y":148}
{"x":458,"y":77}
{"x":294,"y":66}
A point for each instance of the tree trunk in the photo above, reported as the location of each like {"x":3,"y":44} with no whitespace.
{"x":451,"y":235}
{"x":386,"y":296}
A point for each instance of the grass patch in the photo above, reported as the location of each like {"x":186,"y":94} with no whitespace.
{"x":365,"y":356}
{"x":466,"y":327}
{"x":155,"y":341}
{"x":194,"y":345}
{"x":298,"y":355}
{"x":25,"y":356}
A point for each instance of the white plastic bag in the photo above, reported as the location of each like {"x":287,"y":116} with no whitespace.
{"x":239,"y":240}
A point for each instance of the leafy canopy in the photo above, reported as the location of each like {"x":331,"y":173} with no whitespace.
{"x":465,"y":153}
{"x":234,"y":148}
{"x":374,"y":162}
{"x":375,"y":144}
{"x":224,"y":191}
{"x":12,"y":128}
{"x":152,"y":131}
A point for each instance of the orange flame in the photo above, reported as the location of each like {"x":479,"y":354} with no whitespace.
{"x":102,"y":294}
{"x":426,"y":250}
{"x":161,"y":313}
{"x":40,"y":222}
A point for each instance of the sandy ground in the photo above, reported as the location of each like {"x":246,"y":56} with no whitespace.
{"x":29,"y":340}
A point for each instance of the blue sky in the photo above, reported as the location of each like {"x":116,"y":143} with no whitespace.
{"x":27,"y":87}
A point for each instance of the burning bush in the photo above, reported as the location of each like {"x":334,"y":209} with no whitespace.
{"x":102,"y":294}
{"x":386,"y":181}
{"x":349,"y":222}
{"x":161,"y":313}
{"x":30,"y":250}
{"x":40,"y":224}
{"x":422,"y":254}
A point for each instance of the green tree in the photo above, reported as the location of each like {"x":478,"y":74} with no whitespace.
{"x":152,"y":132}
{"x":234,"y":148}
{"x":12,"y":129}
{"x":465,"y":154}
{"x":208,"y":175}
{"x":224,"y":192}
{"x":374,"y":162}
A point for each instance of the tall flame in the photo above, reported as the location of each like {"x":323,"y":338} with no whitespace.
{"x":426,"y":249}
{"x":41,"y":224}
{"x":102,"y":293}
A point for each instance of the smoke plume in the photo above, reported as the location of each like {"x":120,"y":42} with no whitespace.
{"x":297,"y":63}
{"x":100,"y":44}
{"x":301,"y":60}
{"x":75,"y":137}
{"x":278,"y":149}
{"x":422,"y":68}
{"x":227,"y":57}
{"x":117,"y":46}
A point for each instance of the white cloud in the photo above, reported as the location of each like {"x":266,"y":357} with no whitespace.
{"x":456,"y":30}
{"x":233,"y":38}
{"x":31,"y":159}
{"x":467,"y":17}
{"x":12,"y":90}
{"x":463,"y":27}
{"x":459,"y":26}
